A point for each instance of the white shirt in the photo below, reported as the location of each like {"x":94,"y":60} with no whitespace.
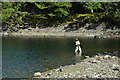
{"x":77,"y":42}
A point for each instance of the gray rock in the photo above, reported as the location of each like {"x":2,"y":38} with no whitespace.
{"x":107,"y":57}
{"x":6,"y":34}
{"x":37,"y":74}
{"x":49,"y":74}
{"x":113,"y":57}
{"x":97,"y":76}
{"x":87,"y":57}
{"x":115,"y":67}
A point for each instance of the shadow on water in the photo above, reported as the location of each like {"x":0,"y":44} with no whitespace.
{"x":22,"y":56}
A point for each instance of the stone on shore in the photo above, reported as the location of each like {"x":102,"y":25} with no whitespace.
{"x":37,"y":74}
{"x":6,"y":34}
{"x":98,"y":66}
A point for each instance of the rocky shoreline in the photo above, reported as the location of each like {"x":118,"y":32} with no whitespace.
{"x":64,"y":31}
{"x":101,"y":65}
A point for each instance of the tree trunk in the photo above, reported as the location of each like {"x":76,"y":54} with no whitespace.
{"x":91,"y":10}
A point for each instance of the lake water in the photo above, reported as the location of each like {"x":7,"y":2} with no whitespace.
{"x":22,"y":56}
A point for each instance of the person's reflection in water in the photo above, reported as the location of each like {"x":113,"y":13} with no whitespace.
{"x":78,"y":58}
{"x":78,"y":50}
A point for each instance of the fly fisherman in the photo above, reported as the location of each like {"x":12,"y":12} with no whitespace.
{"x":78,"y":49}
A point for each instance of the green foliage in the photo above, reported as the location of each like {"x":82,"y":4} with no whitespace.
{"x":51,"y":14}
{"x":87,"y":17}
{"x":0,"y":12}
{"x":41,"y":5}
{"x":62,"y":11}
{"x":53,"y":10}
{"x":58,"y":9}
{"x":82,"y":15}
{"x":59,"y":12}
{"x":11,"y":13}
{"x":40,"y":16}
{"x":117,"y":16}
{"x":112,"y":10}
{"x":62,"y":4}
{"x":92,"y":5}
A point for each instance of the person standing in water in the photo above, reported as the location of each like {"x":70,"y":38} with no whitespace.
{"x":78,"y":49}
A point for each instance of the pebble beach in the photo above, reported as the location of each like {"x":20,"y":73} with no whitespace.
{"x":102,"y":65}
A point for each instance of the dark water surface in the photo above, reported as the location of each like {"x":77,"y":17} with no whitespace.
{"x":22,"y":56}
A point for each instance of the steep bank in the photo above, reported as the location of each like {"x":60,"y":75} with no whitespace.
{"x":103,"y":65}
